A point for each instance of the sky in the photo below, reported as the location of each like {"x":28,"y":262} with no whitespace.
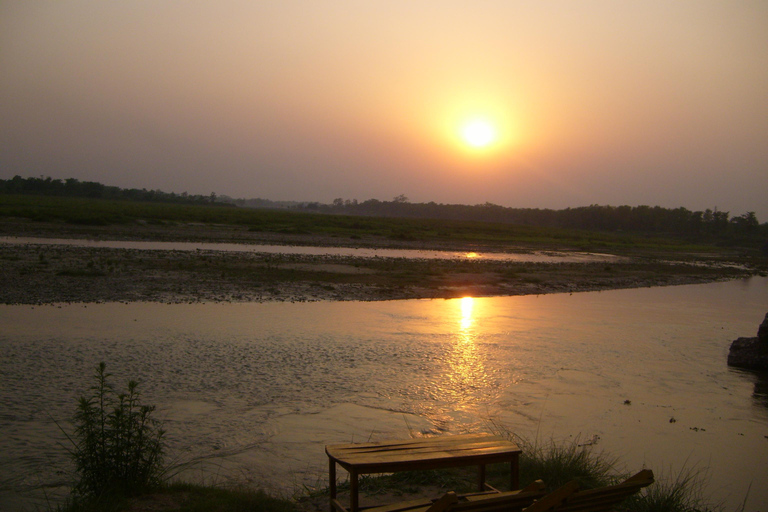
{"x":574,"y":103}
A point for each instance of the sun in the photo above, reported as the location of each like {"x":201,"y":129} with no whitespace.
{"x":479,"y":133}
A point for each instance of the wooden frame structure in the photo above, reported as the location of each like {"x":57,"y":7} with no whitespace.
{"x":568,"y":498}
{"x":492,"y":501}
{"x":418,"y":454}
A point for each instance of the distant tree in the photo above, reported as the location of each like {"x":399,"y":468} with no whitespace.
{"x":400,"y":199}
{"x":746,"y":223}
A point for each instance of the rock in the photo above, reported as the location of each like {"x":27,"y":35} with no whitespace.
{"x":751,"y":353}
{"x":762,"y":332}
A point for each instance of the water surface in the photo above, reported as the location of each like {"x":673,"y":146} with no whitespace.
{"x":530,"y":256}
{"x":259,"y":389}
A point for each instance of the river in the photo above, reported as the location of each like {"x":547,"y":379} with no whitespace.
{"x":358,"y":252}
{"x":255,"y":391}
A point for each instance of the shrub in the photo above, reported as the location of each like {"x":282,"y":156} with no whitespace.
{"x":117,"y":445}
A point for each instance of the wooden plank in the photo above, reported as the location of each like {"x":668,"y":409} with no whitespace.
{"x":513,"y":501}
{"x":600,"y":499}
{"x":604,"y":499}
{"x":476,"y":502}
{"x":336,"y":505}
{"x":423,"y":453}
{"x":433,"y":446}
{"x":536,"y":487}
{"x":390,"y":457}
{"x":444,"y":502}
{"x":463,"y":441}
{"x":350,"y":455}
{"x":402,"y":506}
{"x":554,"y":499}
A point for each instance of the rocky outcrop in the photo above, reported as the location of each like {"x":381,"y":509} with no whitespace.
{"x":751,"y":353}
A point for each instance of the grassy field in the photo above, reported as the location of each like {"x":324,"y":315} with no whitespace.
{"x":78,"y":215}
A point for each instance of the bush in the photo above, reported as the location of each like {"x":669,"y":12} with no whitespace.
{"x":118,"y":446}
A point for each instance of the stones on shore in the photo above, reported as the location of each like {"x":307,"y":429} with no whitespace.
{"x":751,"y":353}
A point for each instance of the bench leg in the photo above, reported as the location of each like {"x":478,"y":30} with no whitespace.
{"x":332,"y":481}
{"x":481,"y":478}
{"x":514,"y":474}
{"x":353,"y":499}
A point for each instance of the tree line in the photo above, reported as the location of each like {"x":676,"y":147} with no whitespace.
{"x":639,"y":219}
{"x":643,"y":219}
{"x":70,"y":187}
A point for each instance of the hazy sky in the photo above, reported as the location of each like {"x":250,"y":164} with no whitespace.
{"x":587,"y":102}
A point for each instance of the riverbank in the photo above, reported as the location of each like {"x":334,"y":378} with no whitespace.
{"x":44,"y":274}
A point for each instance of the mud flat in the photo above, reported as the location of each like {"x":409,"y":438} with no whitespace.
{"x":36,"y":274}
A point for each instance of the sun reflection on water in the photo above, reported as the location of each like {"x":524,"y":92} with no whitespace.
{"x":466,"y":304}
{"x":465,"y":379}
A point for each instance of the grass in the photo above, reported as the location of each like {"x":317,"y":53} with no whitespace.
{"x":82,"y":213}
{"x":186,"y":497}
{"x":559,"y":463}
{"x":681,"y":492}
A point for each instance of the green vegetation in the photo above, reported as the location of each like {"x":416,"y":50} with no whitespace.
{"x":710,"y":224}
{"x":117,"y":446}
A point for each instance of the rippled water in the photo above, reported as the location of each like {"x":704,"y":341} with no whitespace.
{"x":257,"y":390}
{"x":532,"y":256}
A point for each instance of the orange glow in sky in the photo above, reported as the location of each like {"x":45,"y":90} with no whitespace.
{"x":523,"y":104}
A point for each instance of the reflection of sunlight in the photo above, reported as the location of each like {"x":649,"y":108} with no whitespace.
{"x":467,"y":303}
{"x":465,"y":381}
{"x":471,"y":255}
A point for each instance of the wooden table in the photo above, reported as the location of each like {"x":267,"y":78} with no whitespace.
{"x":418,"y":454}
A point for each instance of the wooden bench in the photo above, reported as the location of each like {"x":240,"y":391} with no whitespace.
{"x":568,"y":498}
{"x":418,"y":454}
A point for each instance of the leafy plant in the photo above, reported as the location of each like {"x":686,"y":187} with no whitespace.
{"x":117,"y":444}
